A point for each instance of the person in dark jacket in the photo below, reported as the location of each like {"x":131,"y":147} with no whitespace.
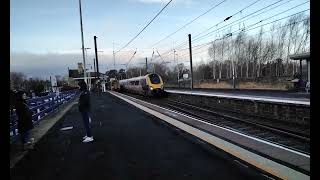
{"x":84,"y":108}
{"x":24,"y":119}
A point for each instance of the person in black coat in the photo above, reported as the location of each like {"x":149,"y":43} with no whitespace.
{"x":84,"y":108}
{"x":24,"y":117}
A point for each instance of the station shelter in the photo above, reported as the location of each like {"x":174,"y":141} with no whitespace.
{"x":304,"y":72}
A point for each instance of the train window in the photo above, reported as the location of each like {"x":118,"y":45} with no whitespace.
{"x":154,"y":78}
{"x":143,"y":82}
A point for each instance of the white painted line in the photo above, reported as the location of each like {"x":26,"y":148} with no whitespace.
{"x":258,"y":161}
{"x":66,"y":128}
{"x":230,"y":130}
{"x":271,"y":99}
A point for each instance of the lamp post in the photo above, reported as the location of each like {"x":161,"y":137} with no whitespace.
{"x":177,"y":70}
{"x":97,"y":65}
{"x":114,"y":58}
{"x":85,"y":50}
{"x":88,"y":81}
{"x":83,"y":56}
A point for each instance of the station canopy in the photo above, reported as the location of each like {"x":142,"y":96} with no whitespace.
{"x":300,"y":56}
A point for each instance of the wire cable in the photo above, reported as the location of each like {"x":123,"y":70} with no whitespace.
{"x":131,"y":57}
{"x":207,"y":43}
{"x":202,"y":37}
{"x":145,"y":27}
{"x":210,"y":9}
{"x":226,"y":19}
{"x":183,"y":43}
{"x":249,"y":25}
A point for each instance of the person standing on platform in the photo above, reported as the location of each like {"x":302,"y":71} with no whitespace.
{"x":24,"y":119}
{"x":84,"y":108}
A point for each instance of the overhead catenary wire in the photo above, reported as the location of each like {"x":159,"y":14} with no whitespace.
{"x":152,"y":56}
{"x":145,"y":27}
{"x":226,"y":26}
{"x":160,"y":56}
{"x":246,"y":18}
{"x":235,"y":32}
{"x":250,"y":27}
{"x":131,"y":57}
{"x":183,"y":55}
{"x":226,"y":19}
{"x":247,"y":29}
{"x":201,"y":37}
{"x":207,"y":11}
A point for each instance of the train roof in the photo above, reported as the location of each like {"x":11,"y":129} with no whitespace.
{"x":136,"y":78}
{"x":133,"y":79}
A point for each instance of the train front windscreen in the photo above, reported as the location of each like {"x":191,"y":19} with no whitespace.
{"x":155,"y":79}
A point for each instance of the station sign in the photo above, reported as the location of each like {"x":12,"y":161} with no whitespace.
{"x":185,"y":76}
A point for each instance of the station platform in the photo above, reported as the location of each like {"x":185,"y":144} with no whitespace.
{"x":129,"y":144}
{"x":272,"y":96}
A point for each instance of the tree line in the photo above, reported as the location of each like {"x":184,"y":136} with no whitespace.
{"x":19,"y":81}
{"x":265,"y":54}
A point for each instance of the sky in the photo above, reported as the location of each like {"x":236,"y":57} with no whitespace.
{"x":45,"y":36}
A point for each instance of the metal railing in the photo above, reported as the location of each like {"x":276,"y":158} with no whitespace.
{"x":41,"y":107}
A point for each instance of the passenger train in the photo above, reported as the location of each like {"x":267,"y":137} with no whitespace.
{"x":113,"y":84}
{"x":148,"y":85}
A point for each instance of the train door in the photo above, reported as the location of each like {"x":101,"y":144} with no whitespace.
{"x":136,"y":86}
{"x":144,"y":87}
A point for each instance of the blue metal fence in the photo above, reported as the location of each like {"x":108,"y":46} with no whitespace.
{"x":41,"y":107}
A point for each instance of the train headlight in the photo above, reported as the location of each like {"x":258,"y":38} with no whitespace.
{"x":151,"y":88}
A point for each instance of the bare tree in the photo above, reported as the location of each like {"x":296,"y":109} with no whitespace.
{"x":212,"y":54}
{"x":216,"y":52}
{"x":260,"y":50}
{"x":242,"y":53}
{"x":265,"y":54}
{"x":305,"y":34}
{"x":292,"y":26}
{"x":281,"y":35}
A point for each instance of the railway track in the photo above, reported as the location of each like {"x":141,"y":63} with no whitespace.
{"x":270,"y":132}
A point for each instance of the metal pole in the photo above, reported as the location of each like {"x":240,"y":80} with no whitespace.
{"x":94,"y":65}
{"x":146,"y":65}
{"x":301,"y":68}
{"x":174,"y":60}
{"x":86,"y":55}
{"x":233,"y":78}
{"x":95,"y":49}
{"x":178,"y":71}
{"x":84,"y":60}
{"x":190,"y":51}
{"x":114,"y":59}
